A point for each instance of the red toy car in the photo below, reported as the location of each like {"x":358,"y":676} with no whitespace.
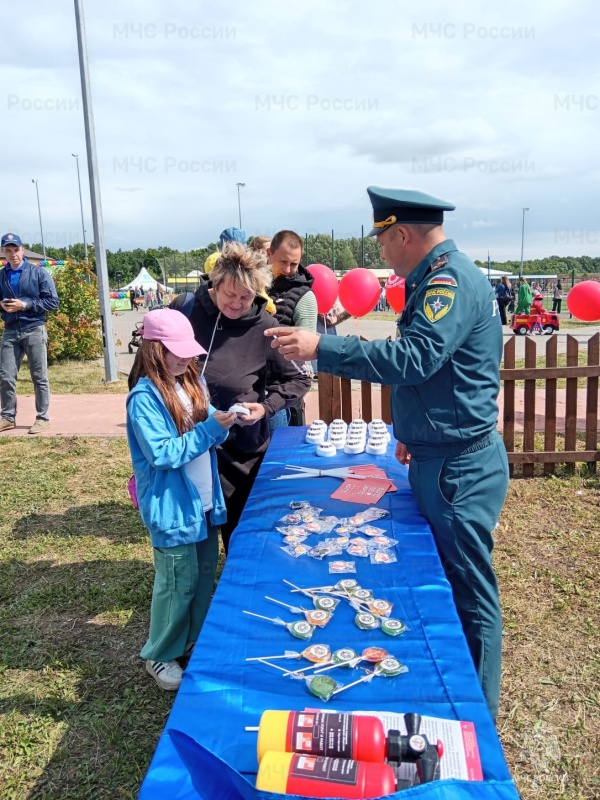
{"x":524,"y":323}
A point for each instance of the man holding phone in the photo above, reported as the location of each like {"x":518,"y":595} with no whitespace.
{"x":27,"y":293}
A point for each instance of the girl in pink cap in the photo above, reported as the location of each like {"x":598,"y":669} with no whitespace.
{"x":172,"y":431}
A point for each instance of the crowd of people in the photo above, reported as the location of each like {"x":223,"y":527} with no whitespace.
{"x":525,"y":298}
{"x":243,"y":337}
{"x":149,"y":298}
{"x":222,"y":366}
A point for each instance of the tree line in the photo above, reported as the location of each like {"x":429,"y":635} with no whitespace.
{"x":339,"y":254}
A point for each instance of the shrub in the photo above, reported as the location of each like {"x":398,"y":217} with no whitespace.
{"x":74,"y":331}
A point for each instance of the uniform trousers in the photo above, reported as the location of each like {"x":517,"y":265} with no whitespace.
{"x":183,"y":585}
{"x":461,"y":497}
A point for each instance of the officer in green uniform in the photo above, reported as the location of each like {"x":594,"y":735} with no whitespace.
{"x":444,"y":370}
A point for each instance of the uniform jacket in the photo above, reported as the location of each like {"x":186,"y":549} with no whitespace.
{"x":444,"y":369}
{"x":242,"y":367}
{"x":36,"y":290}
{"x":169,"y":503}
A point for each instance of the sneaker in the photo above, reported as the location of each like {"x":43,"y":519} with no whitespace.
{"x":39,"y":426}
{"x":6,"y":424}
{"x":167,"y":674}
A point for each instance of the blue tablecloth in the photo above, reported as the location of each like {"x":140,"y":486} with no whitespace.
{"x":204,"y":747}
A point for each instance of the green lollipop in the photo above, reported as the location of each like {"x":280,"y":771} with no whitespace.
{"x":393,"y":627}
{"x":364,"y":595}
{"x":301,"y":629}
{"x":366,"y":622}
{"x":322,"y":686}
{"x":325,"y":603}
{"x":390,"y":667}
{"x":346,"y":585}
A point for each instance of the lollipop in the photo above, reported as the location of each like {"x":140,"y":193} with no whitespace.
{"x":345,"y":657}
{"x":322,"y":686}
{"x":388,"y":667}
{"x":393,"y":627}
{"x":319,"y":617}
{"x":300,"y":629}
{"x":366,"y":622}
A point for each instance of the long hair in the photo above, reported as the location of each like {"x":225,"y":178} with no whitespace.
{"x":150,"y":363}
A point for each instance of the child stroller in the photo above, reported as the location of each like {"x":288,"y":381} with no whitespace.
{"x":136,"y":337}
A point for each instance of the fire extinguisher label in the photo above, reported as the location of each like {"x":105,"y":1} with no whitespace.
{"x":323,"y":734}
{"x":323,"y":768}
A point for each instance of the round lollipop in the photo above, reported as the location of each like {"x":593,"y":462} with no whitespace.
{"x":393,"y":627}
{"x":322,"y":686}
{"x":366,"y":622}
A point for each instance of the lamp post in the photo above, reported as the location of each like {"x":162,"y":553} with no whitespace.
{"x":37,"y":191}
{"x":76,"y":157}
{"x":239,"y":186}
{"x":522,"y":241}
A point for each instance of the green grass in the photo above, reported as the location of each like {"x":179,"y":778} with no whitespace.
{"x":75,"y":377}
{"x":80,"y":717}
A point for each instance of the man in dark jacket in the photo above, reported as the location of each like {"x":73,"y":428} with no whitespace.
{"x":294,"y":300}
{"x":27,"y":293}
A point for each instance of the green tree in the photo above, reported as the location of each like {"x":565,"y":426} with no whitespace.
{"x":74,"y":331}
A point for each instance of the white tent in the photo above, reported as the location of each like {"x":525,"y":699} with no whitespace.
{"x":496,"y":273}
{"x":145,"y":281}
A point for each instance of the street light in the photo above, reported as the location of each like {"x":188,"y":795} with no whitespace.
{"x":239,"y":186}
{"x":76,"y":157}
{"x":522,"y":241}
{"x":37,"y":191}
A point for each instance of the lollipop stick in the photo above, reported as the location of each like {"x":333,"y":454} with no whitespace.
{"x":275,"y":666}
{"x":287,"y":654}
{"x":276,"y":620}
{"x":295,"y":609}
{"x":352,"y":663}
{"x":307,"y":592}
{"x":366,"y":678}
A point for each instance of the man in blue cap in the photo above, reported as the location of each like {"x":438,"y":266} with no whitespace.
{"x":444,"y":370}
{"x":27,"y":293}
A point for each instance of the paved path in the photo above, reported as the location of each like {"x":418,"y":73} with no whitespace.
{"x":104,"y":414}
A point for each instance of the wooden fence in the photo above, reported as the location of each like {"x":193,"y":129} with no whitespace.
{"x":336,"y":401}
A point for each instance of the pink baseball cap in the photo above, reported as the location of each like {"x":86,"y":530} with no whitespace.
{"x":174,"y":330}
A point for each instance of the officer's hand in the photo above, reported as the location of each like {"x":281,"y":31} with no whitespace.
{"x":257,"y":411}
{"x":294,"y":344}
{"x":402,"y":454}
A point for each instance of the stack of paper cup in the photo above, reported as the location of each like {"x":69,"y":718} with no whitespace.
{"x":378,"y":437}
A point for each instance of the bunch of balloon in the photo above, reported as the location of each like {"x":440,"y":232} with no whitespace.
{"x":359,"y":291}
{"x":583,"y":301}
{"x":325,"y":287}
{"x":395,"y":293}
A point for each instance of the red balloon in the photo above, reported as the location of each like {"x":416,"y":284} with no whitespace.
{"x":325,"y":287}
{"x":359,"y":291}
{"x":395,"y":292}
{"x":583,"y":301}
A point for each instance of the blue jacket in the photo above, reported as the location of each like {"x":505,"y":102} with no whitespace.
{"x":36,"y":290}
{"x":169,"y":503}
{"x":444,"y":369}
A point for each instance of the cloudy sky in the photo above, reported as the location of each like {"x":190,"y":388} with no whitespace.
{"x":494,"y":108}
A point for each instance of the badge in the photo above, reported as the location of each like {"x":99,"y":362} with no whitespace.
{"x":437,"y":303}
{"x":443,"y":280}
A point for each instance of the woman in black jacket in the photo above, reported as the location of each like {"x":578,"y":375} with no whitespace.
{"x":229,"y":317}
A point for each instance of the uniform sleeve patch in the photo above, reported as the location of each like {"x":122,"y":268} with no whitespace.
{"x":443,"y":280}
{"x":437,"y":303}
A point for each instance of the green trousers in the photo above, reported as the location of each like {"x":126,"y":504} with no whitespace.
{"x":461,"y":497}
{"x":183,"y":585}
